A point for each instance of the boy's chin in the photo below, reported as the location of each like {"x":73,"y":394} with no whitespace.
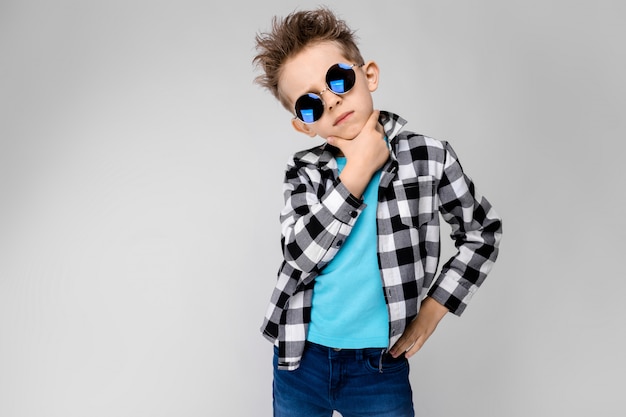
{"x":353,"y":132}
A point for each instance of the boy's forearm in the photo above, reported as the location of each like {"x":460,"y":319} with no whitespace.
{"x":432,"y":310}
{"x":312,"y":231}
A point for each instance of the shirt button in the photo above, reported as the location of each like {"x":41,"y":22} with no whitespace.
{"x":339,"y":243}
{"x":353,"y":213}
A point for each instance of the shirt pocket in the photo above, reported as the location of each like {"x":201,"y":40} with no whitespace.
{"x":416,"y":200}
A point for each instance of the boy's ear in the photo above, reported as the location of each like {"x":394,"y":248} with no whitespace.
{"x":372,"y":74}
{"x":302,"y":127}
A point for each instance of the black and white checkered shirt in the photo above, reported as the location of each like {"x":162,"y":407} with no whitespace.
{"x":421,"y":179}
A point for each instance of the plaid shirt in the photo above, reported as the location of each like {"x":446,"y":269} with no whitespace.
{"x":421,"y":179}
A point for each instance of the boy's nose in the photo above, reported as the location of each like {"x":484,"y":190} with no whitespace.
{"x":333,"y":100}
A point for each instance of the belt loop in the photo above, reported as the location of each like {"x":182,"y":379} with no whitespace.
{"x":380,"y":361}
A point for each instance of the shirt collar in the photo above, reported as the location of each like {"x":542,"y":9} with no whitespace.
{"x":392,"y":123}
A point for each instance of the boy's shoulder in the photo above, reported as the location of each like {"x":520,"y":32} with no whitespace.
{"x":319,"y":155}
{"x":418,"y":155}
{"x":406,"y":140}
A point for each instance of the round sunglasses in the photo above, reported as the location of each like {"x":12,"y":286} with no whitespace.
{"x":340,"y":79}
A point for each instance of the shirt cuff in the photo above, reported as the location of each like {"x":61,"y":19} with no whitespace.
{"x":342,"y":204}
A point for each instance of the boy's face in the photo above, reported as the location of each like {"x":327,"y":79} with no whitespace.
{"x":344,"y":115}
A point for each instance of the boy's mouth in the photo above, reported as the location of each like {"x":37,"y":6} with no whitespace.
{"x":342,"y":117}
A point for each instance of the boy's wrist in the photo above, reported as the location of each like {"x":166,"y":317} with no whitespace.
{"x":433,"y":308}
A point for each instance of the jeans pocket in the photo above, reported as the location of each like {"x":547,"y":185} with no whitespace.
{"x":384,"y":362}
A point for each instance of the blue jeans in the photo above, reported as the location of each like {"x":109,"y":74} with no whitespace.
{"x":355,"y":382}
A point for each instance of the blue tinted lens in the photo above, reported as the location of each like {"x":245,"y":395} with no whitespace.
{"x":307,"y":115}
{"x":338,"y":86}
{"x":340,"y":78}
{"x":309,"y":108}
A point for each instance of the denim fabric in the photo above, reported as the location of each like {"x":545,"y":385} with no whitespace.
{"x":354,"y":382}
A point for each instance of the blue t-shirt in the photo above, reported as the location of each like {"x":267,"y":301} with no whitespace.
{"x":349,"y":309}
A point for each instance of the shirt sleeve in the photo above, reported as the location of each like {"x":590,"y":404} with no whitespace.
{"x":476,"y":231}
{"x":317,"y":217}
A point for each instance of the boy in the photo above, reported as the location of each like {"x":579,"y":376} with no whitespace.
{"x":356,"y":295}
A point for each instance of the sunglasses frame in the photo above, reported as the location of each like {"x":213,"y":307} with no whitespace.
{"x":318,"y":96}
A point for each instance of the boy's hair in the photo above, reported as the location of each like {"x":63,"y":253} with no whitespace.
{"x":292,"y":34}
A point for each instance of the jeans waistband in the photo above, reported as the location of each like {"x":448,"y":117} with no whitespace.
{"x":342,"y":352}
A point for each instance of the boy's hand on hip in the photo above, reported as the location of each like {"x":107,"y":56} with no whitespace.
{"x":365,"y":154}
{"x":420,"y":329}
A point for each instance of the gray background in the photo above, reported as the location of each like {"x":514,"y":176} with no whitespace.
{"x":140,"y":184}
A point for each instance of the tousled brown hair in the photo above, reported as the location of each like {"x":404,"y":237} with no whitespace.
{"x":293,"y":33}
